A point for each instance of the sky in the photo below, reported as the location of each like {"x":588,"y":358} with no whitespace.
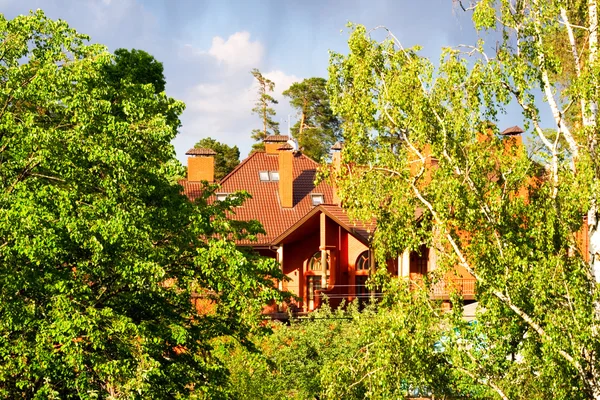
{"x":209,"y":47}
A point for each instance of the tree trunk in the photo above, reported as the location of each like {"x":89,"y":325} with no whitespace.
{"x":592,"y":218}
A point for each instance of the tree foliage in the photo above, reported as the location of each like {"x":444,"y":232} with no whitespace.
{"x":423,"y":139}
{"x":318,"y":128}
{"x":388,"y":351}
{"x":226,"y":159}
{"x":100,"y":254}
{"x":136,"y":66}
{"x":263,"y":109}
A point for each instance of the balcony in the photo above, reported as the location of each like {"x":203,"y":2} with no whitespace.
{"x":463,"y":286}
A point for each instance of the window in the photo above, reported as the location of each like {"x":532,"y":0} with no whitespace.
{"x":221,"y":196}
{"x":315,"y":278}
{"x":361,"y":275}
{"x":315,"y":262}
{"x":313,"y":283}
{"x":362,"y":294}
{"x":317,"y":199}
{"x":268,"y":176}
{"x":263,"y":175}
{"x":362,"y":262}
{"x":419,"y":262}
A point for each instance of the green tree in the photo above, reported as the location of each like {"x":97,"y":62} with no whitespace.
{"x":100,"y":253}
{"x":263,"y":109}
{"x":318,"y":129}
{"x":226,"y":159}
{"x":136,"y":66}
{"x":389,"y":351}
{"x":509,"y":219}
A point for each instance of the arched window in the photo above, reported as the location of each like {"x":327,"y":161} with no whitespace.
{"x":361,"y":275}
{"x":362,"y":262}
{"x":315,"y":262}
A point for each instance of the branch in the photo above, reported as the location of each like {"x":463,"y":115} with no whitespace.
{"x":501,"y":296}
{"x":26,"y":171}
{"x":365,"y":377}
{"x":556,"y":113}
{"x":486,"y":381}
{"x":569,"y":26}
{"x":53,"y":178}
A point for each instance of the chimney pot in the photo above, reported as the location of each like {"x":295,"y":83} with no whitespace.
{"x":274,"y":142}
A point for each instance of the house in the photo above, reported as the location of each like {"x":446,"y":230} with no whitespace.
{"x":320,"y":250}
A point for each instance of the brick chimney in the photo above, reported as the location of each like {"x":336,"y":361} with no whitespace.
{"x":512,"y":137}
{"x":274,"y":142}
{"x":201,"y":165}
{"x":286,"y":175}
{"x":336,"y":162}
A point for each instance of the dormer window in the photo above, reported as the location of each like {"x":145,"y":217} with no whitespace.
{"x":221,"y":196}
{"x":264,"y":176}
{"x":317,"y":199}
{"x":268,"y":176}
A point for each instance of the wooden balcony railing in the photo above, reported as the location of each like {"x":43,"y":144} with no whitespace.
{"x":464,"y":286}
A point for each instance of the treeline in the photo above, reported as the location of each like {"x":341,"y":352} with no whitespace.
{"x":315,"y":131}
{"x":100,"y":252}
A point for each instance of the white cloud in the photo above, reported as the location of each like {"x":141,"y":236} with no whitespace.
{"x":238,"y":51}
{"x":223,"y":110}
{"x":220,"y":98}
{"x":282,"y":82}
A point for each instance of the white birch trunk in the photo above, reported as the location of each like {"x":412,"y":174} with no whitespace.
{"x":594,"y":234}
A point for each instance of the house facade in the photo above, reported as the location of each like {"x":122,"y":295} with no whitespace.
{"x":320,"y":250}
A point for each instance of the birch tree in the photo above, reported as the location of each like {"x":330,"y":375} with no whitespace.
{"x":425,"y":139}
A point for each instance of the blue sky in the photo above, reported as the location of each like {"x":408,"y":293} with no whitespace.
{"x":208,"y":47}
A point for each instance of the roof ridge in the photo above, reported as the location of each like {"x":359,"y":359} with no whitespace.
{"x":240,"y":165}
{"x":310,"y":159}
{"x":354,"y":230}
{"x":253,"y":154}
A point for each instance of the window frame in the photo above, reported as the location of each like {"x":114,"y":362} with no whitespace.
{"x":261,"y":175}
{"x":314,"y":196}
{"x":363,"y":259}
{"x":219,"y":196}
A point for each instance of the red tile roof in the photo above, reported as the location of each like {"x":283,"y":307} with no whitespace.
{"x":360,"y":230}
{"x":201,"y":152}
{"x":264,"y":205}
{"x":276,"y":138}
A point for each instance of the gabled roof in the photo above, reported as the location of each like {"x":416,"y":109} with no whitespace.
{"x":264,"y":205}
{"x":359,"y":230}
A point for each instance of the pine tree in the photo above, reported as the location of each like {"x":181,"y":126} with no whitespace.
{"x":263,"y":109}
{"x":318,"y":128}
